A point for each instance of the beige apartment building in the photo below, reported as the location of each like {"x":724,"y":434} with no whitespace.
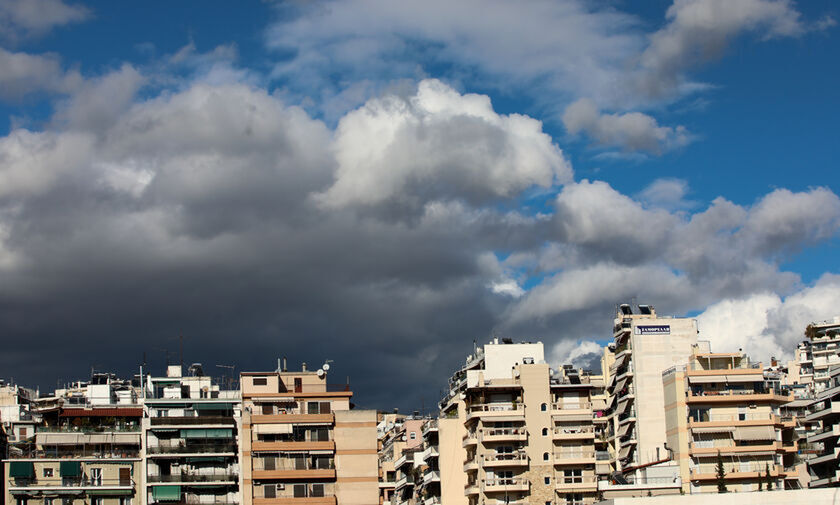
{"x":819,"y":353}
{"x":644,"y":344}
{"x":302,"y":444}
{"x":824,"y":466}
{"x":527,"y":431}
{"x":722,"y":407}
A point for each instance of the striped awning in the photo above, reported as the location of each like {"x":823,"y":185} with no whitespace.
{"x":713,"y":429}
{"x":272,"y":429}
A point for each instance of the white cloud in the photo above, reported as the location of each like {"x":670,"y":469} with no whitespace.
{"x":25,"y":73}
{"x":99,"y":102}
{"x":579,"y":353}
{"x":700,"y":30}
{"x":668,"y":193}
{"x":632,"y":131}
{"x":436,"y":144}
{"x":36,"y":17}
{"x":508,"y":287}
{"x":765,"y":324}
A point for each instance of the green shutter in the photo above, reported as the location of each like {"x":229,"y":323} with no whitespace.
{"x":212,"y":406}
{"x":70,"y":469}
{"x":109,"y":492}
{"x":206,"y":459}
{"x":22,"y":469}
{"x":166,"y":493}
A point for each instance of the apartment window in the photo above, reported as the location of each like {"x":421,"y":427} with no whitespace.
{"x":125,"y":500}
{"x":48,"y":501}
{"x":325,"y":407}
{"x":20,"y":500}
{"x":313,"y":408}
{"x":299,"y":491}
{"x":95,"y":477}
{"x":267,"y":409}
{"x":22,"y":432}
{"x":260,"y":381}
{"x":95,"y":500}
{"x":67,"y":501}
{"x":319,"y":435}
{"x":298,"y":385}
{"x":545,"y":456}
{"x":413,"y":435}
{"x":543,"y":407}
{"x":317,"y":490}
{"x":574,"y":476}
{"x":574,"y":499}
{"x":547,"y":480}
{"x":48,"y":472}
{"x":545,"y":432}
{"x":270,"y":491}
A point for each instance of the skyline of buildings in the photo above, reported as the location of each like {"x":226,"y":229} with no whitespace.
{"x":664,"y":413}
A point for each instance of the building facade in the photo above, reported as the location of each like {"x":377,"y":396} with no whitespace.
{"x":824,"y":465}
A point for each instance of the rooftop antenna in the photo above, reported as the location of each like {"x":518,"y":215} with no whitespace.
{"x":230,"y":378}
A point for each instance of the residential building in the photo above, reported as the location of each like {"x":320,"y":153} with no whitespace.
{"x":721,"y":408}
{"x":819,"y":353}
{"x":302,"y":443}
{"x":527,"y":430}
{"x":824,"y":465}
{"x":85,"y":452}
{"x":644,"y":344}
{"x":190,"y":439}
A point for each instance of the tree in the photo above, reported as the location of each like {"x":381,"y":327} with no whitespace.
{"x":810,"y":331}
{"x":720,"y":475}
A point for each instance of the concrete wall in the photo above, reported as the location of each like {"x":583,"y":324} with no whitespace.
{"x":356,"y":462}
{"x":453,"y":479}
{"x":499,"y":359}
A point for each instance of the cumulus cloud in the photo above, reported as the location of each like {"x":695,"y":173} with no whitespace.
{"x":700,"y":30}
{"x":25,"y":73}
{"x":439,"y":143}
{"x":35,"y":17}
{"x":632,"y":131}
{"x":766,"y":325}
{"x":98,"y":102}
{"x":668,"y":193}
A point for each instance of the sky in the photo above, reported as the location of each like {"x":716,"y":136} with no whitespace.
{"x":383,"y":183}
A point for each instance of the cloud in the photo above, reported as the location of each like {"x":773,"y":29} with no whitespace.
{"x":632,"y":131}
{"x":25,"y":18}
{"x":25,"y":73}
{"x":667,"y":193}
{"x":698,"y":31}
{"x":98,"y":102}
{"x":765,"y":324}
{"x":438,"y":144}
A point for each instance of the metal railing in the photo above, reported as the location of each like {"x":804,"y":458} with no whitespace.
{"x":80,"y":482}
{"x":510,"y":481}
{"x":191,"y":448}
{"x":82,"y":430}
{"x":506,"y":456}
{"x":230,"y":475}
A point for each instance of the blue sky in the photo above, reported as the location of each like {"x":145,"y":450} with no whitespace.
{"x":412,"y":177}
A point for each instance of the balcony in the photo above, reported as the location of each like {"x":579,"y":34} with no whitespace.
{"x":471,"y":489}
{"x":68,"y":485}
{"x":504,"y":435}
{"x":430,"y":477}
{"x":823,"y":412}
{"x":490,"y":411}
{"x":297,"y":445}
{"x":582,"y":433}
{"x":230,"y":475}
{"x":469,"y":439}
{"x":185,"y":448}
{"x":506,"y":485}
{"x":832,"y":432}
{"x":192,"y":421}
{"x":505,"y":459}
{"x":583,"y":484}
{"x":296,"y":474}
{"x":738,"y":396}
{"x":293,"y":418}
{"x":290,"y":500}
{"x":471,"y":465}
{"x":740,"y":471}
{"x":736,"y":450}
{"x":574,"y":457}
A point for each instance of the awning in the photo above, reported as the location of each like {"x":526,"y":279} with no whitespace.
{"x":755,"y":433}
{"x":745,"y":378}
{"x":206,"y":459}
{"x":624,"y":452}
{"x":724,"y":378}
{"x":273,"y":429}
{"x":22,"y":469}
{"x":573,"y":417}
{"x":620,"y":361}
{"x":212,"y":406}
{"x":166,"y":493}
{"x":70,"y":469}
{"x":274,"y":399}
{"x":622,"y":431}
{"x":620,"y":385}
{"x":713,"y":429}
{"x":207,"y":433}
{"x":705,"y":379}
{"x":500,"y":419}
{"x":622,"y":405}
{"x":109,"y":492}
{"x":126,"y":438}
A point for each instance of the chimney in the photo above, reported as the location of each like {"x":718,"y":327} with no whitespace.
{"x":284,"y":364}
{"x":303,"y":366}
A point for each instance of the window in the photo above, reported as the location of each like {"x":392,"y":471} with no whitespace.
{"x":22,"y":432}
{"x":300,"y":491}
{"x":547,"y":480}
{"x":298,"y":385}
{"x":545,"y":432}
{"x":317,"y":490}
{"x":67,"y":501}
{"x":95,"y":477}
{"x":260,"y":381}
{"x":125,"y":500}
{"x":574,"y":499}
{"x":48,"y":501}
{"x":48,"y":472}
{"x":545,"y":456}
{"x":20,"y":500}
{"x":270,"y":491}
{"x":267,"y":409}
{"x":313,"y":408}
{"x":413,"y":435}
{"x":95,"y":500}
{"x":325,"y":407}
{"x":543,"y":407}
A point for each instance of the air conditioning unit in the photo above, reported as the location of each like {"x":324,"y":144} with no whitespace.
{"x":281,"y":487}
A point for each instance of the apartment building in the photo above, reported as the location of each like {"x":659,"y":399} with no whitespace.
{"x":302,"y":444}
{"x":190,"y":439}
{"x":82,"y":452}
{"x":819,"y":353}
{"x":644,"y":344}
{"x":527,"y":431}
{"x":722,"y":407}
{"x":824,"y":465}
{"x":399,"y":437}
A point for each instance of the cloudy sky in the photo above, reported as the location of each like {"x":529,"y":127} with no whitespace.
{"x":381,"y":183}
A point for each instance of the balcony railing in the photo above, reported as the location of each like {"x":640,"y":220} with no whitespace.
{"x":75,"y":452}
{"x":496,"y":407}
{"x":191,"y":448}
{"x":571,"y":405}
{"x":69,"y":482}
{"x":506,"y":456}
{"x":230,"y":475}
{"x":89,"y":429}
{"x":574,"y":455}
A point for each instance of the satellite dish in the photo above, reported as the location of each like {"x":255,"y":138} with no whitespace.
{"x":320,"y":373}
{"x":326,"y":367}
